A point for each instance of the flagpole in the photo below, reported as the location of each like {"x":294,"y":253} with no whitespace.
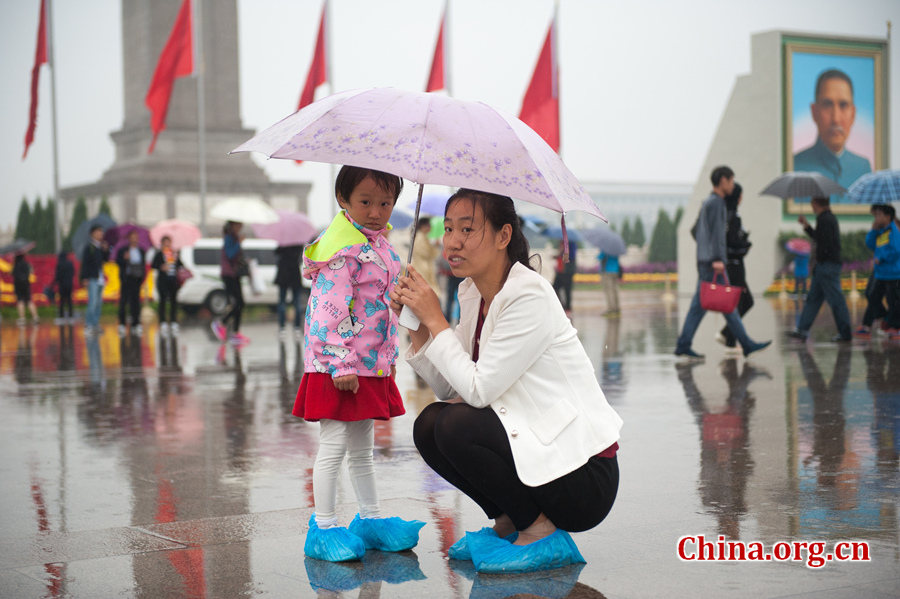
{"x":56,"y":200}
{"x":199,"y":70}
{"x":329,"y":57}
{"x":448,"y":79}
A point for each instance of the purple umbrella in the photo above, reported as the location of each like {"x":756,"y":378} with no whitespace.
{"x":292,"y":228}
{"x":117,"y":237}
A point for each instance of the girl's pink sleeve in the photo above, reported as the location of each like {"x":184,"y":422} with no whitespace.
{"x":331,"y":326}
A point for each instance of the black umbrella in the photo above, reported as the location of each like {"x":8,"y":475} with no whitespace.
{"x":82,"y":235}
{"x":605,"y":239}
{"x":796,"y":184}
{"x":19,"y":246}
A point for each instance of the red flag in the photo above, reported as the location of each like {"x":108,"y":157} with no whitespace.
{"x":540,"y":107}
{"x":436,"y":76}
{"x":176,"y":60}
{"x":40,"y":57}
{"x":318,"y":72}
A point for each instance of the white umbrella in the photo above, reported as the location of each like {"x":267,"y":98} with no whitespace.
{"x":245,"y":210}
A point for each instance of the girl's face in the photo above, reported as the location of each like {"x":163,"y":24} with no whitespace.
{"x":369,"y":205}
{"x":166,"y":242}
{"x":881,"y":219}
{"x":471,"y":244}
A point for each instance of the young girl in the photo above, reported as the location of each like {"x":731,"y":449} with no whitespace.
{"x":350,"y":346}
{"x":167,"y":262}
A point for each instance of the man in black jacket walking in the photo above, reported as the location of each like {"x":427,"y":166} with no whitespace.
{"x":131,"y":260}
{"x":826,"y":277}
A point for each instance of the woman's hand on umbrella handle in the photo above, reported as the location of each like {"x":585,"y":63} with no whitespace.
{"x":396,"y":306}
{"x":416,"y":293}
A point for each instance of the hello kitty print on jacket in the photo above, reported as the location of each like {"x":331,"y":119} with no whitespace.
{"x":349,"y":327}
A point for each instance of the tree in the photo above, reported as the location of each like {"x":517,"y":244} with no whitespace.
{"x":104,"y":207}
{"x":24,"y":221}
{"x":37,"y":227}
{"x":626,"y":232}
{"x":663,"y":246}
{"x":638,"y":237}
{"x":49,"y":230}
{"x":79,"y":215}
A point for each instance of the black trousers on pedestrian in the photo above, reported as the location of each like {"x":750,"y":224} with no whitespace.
{"x":737,"y":275}
{"x":236,"y":294}
{"x":562,"y":285}
{"x":167,"y":287}
{"x":130,"y":297}
{"x":65,"y":301}
{"x":469,"y":448}
{"x":880,"y":291}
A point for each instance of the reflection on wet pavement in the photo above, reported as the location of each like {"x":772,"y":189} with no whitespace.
{"x":173,"y":467}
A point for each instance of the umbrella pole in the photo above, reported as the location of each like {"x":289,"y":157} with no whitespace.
{"x":407,"y":319}
{"x":412,"y":241}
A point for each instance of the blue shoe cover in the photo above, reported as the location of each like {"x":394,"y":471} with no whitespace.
{"x":460,"y":549}
{"x":387,"y":534}
{"x":494,"y":555}
{"x":336,"y":577}
{"x":556,"y":584}
{"x":393,"y":568}
{"x":335,"y":544}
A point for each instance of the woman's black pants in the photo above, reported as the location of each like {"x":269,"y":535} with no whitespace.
{"x":469,"y":448}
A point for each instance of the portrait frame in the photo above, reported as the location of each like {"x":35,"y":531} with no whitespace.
{"x":865,"y":63}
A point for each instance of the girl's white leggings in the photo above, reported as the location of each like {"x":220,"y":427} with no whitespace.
{"x":357,"y":440}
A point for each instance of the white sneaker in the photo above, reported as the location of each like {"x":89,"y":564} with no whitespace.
{"x":173,"y":328}
{"x":137,"y":330}
{"x":121,"y":330}
{"x":720,"y":338}
{"x":298,"y":334}
{"x":282,"y":333}
{"x":164,"y":329}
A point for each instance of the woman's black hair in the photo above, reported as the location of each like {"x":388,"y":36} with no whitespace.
{"x":228,"y":228}
{"x":424,"y":220}
{"x":350,"y":176}
{"x":498,"y":211}
{"x":731,"y":200}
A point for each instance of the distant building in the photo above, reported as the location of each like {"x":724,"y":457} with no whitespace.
{"x":146,"y":188}
{"x":624,"y":200}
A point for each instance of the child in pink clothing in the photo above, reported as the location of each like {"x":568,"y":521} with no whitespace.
{"x":350,"y":347}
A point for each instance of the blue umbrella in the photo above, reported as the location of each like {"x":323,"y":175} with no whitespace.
{"x":400,"y":219}
{"x":880,"y":187}
{"x":82,"y":234}
{"x":556,"y":233}
{"x":605,"y":239}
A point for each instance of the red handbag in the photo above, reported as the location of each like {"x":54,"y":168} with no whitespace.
{"x":719,"y":298}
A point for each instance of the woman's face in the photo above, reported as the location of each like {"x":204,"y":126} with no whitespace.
{"x":471,"y":245}
{"x":369,"y":205}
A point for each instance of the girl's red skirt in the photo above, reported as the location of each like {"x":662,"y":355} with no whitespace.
{"x":377,"y":398}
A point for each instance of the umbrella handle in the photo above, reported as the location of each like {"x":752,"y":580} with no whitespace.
{"x":408,"y":319}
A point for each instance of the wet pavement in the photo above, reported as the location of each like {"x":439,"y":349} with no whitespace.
{"x":157,"y":468}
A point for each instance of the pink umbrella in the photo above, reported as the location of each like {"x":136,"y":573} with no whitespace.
{"x":798,"y":245}
{"x":292,"y":228}
{"x":182,"y":233}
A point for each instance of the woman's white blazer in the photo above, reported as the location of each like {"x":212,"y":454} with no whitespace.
{"x":532,"y":371}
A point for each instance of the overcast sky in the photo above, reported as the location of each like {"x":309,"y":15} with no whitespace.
{"x":643,"y":83}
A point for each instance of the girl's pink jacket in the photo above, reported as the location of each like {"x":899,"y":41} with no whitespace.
{"x":350,"y":328}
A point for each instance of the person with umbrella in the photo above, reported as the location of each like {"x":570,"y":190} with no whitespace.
{"x":233,"y":266}
{"x":21,"y":274}
{"x":167,"y":262}
{"x":95,"y":253}
{"x":131,"y":260}
{"x":523,"y":427}
{"x":350,"y":349}
{"x":611,"y":273}
{"x":884,"y":240}
{"x":564,"y":278}
{"x":826,"y":278}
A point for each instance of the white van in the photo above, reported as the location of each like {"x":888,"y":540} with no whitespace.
{"x":205,"y":288}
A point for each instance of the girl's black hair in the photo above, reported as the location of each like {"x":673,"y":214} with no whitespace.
{"x":498,"y":211}
{"x":351,"y":176}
